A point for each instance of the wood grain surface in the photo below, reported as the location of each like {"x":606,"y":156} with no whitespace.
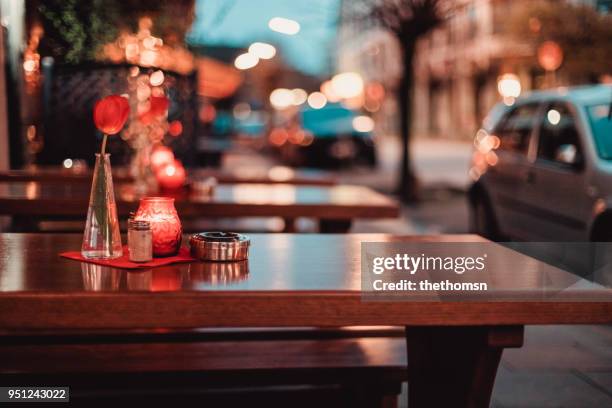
{"x":290,"y":280}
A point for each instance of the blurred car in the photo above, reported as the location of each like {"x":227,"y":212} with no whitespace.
{"x":543,"y":168}
{"x":338,"y":136}
{"x":327,"y":137}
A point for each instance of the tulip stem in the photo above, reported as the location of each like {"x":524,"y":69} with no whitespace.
{"x":103,"y":151}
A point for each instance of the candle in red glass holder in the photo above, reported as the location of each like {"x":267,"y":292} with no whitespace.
{"x":171,"y":176}
{"x":165,"y":224}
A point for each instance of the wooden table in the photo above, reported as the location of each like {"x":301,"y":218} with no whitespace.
{"x":335,"y":207}
{"x":453,"y":348}
{"x":240,"y":175}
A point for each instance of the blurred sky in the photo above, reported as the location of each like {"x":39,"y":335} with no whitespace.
{"x":238,"y":23}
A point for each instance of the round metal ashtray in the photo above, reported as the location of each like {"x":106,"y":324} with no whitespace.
{"x":219,"y":246}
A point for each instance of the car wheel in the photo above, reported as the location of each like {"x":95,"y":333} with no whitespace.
{"x":482,"y":220}
{"x":601,"y":246}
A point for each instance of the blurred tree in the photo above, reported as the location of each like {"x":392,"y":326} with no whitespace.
{"x":408,"y":20}
{"x":76,"y":29}
{"x":583,"y":33}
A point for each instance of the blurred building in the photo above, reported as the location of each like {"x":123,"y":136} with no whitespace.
{"x":366,"y":48}
{"x":456,"y":66}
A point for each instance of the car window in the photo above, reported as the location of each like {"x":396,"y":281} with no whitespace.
{"x":515,"y":129}
{"x":558,"y":132}
{"x":600,"y":117}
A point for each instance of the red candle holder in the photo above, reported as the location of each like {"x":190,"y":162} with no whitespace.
{"x":165,"y":224}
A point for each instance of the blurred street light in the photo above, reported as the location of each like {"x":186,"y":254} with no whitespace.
{"x":317,"y":100}
{"x":363,"y":124}
{"x":262,"y":50}
{"x":509,"y":87}
{"x":347,"y":85}
{"x":550,"y":55}
{"x":246,"y":61}
{"x":157,"y":78}
{"x":281,"y":98}
{"x":328,"y":90}
{"x":299,"y":96}
{"x":284,"y":25}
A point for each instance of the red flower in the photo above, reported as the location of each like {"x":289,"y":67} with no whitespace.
{"x":111,"y":113}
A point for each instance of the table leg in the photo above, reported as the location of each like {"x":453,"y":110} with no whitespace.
{"x":334,"y":226}
{"x":456,"y":366}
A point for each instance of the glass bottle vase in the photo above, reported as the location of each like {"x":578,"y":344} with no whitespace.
{"x":102,"y":238}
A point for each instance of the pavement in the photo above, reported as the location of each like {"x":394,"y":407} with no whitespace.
{"x":438,"y":164}
{"x":558,"y":366}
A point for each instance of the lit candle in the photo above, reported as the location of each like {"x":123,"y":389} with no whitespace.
{"x":171,"y":176}
{"x":165,"y":224}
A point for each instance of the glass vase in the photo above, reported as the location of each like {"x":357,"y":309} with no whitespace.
{"x":102,"y":238}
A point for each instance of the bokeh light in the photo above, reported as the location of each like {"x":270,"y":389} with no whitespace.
{"x":281,"y":98}
{"x":157,"y":78}
{"x":553,"y":116}
{"x":363,"y":123}
{"x":262,"y":50}
{"x":509,"y":86}
{"x":317,"y":100}
{"x":347,"y":85}
{"x":246,"y":61}
{"x":299,"y":96}
{"x":284,"y":25}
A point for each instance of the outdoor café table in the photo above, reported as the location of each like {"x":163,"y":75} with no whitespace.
{"x":278,"y":175}
{"x":295,"y":280}
{"x":335,"y":207}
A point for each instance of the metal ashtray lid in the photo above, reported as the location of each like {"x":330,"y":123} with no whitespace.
{"x":219,"y":246}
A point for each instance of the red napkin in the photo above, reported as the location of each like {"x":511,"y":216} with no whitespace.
{"x":125,"y":263}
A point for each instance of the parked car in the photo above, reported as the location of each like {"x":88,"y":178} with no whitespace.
{"x":327,"y":137}
{"x":543,"y":168}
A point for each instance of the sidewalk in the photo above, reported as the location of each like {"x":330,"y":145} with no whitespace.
{"x":438,"y":163}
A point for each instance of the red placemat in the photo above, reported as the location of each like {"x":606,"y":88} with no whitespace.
{"x":124,"y":262}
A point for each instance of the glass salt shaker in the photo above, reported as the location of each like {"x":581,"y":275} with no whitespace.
{"x":140,"y":240}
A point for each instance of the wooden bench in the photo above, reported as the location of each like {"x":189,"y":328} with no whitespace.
{"x":297,"y":367}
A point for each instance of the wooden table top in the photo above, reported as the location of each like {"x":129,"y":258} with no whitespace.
{"x":290,"y":280}
{"x":278,"y":175}
{"x":266,"y":200}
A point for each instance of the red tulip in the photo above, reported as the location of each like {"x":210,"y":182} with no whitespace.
{"x":111,"y":113}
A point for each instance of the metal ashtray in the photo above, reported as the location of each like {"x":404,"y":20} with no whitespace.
{"x":219,"y":246}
